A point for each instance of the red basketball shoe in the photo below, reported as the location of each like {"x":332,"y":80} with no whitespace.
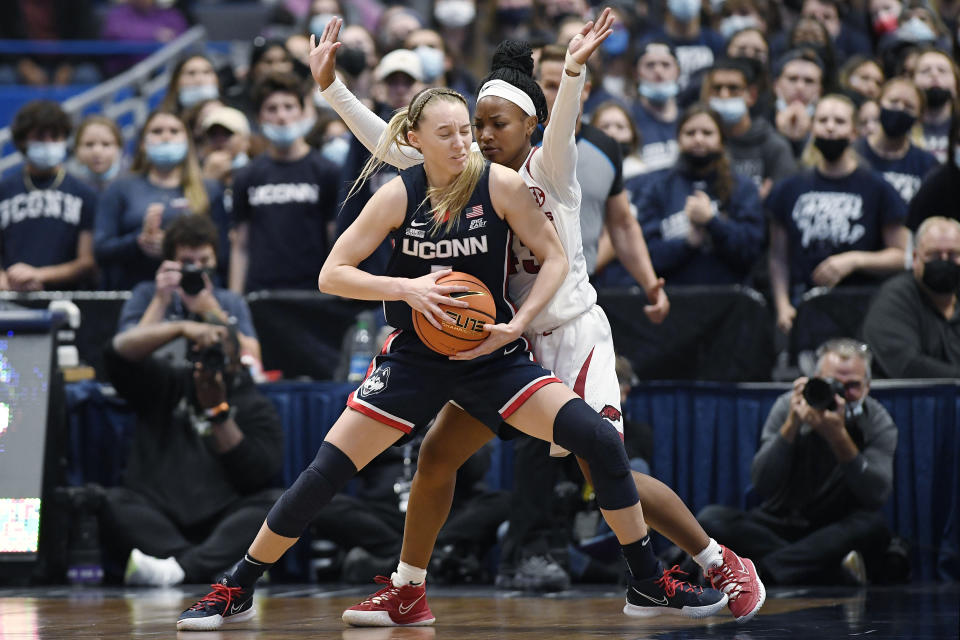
{"x":737,"y":577}
{"x":392,"y":607}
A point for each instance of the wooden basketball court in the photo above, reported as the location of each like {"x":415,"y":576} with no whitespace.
{"x":313,"y":611}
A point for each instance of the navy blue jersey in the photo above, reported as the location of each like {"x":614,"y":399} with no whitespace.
{"x":479,"y":245}
{"x":904,"y":174}
{"x":825,"y":216}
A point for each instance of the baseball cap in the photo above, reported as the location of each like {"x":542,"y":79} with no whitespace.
{"x":400,"y":60}
{"x":228,"y":118}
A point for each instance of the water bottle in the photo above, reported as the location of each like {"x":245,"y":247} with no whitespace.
{"x":361,"y":349}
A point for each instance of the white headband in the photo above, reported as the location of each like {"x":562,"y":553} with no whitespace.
{"x":507,"y":91}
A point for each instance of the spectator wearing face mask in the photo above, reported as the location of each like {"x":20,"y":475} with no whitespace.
{"x":165,"y":182}
{"x":836,"y":223}
{"x":439,"y":64}
{"x":46,"y":214}
{"x":937,"y":75}
{"x":890,"y":150}
{"x":284,"y":201}
{"x":193,"y":81}
{"x":703,"y":224}
{"x":696,"y":46}
{"x":914,"y":320}
{"x":757,"y":151}
{"x":655,"y":111}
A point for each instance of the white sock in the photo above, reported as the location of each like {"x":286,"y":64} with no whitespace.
{"x":408,"y":574}
{"x":711,"y":556}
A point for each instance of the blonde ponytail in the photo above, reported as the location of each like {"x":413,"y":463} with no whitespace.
{"x":452,"y":198}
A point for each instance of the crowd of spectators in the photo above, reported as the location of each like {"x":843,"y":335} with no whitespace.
{"x":777,"y":145}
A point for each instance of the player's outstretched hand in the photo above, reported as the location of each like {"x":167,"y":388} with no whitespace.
{"x":500,"y":336}
{"x":423,"y":294}
{"x":591,"y":36}
{"x":323,"y":53}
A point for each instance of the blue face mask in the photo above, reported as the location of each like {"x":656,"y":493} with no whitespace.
{"x":190,"y":96}
{"x":730,"y":110}
{"x":284,"y":136}
{"x":617,"y":42}
{"x":659,"y":92}
{"x":734,"y":24}
{"x":166,"y":154}
{"x":319,"y":22}
{"x":684,"y":10}
{"x":239,"y":161}
{"x":916,"y":30}
{"x":431,"y":60}
{"x":46,"y":155}
{"x":336,"y":150}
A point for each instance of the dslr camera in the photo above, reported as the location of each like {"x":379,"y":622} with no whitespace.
{"x":191,"y":279}
{"x":819,"y":393}
{"x":212,"y":358}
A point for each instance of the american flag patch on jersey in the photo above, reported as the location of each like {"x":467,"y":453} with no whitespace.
{"x":475,"y":211}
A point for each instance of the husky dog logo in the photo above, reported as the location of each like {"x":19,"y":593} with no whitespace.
{"x":610,"y":413}
{"x":376,"y":383}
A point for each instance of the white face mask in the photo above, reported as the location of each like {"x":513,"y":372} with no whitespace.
{"x":735,"y":23}
{"x":455,"y":13}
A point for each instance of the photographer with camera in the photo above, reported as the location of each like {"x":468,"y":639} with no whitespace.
{"x":206,"y":453}
{"x":824,"y":470}
{"x":183,"y":288}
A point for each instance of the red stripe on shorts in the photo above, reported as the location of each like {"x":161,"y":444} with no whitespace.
{"x":523,"y":397}
{"x":578,"y":386}
{"x":371,"y":412}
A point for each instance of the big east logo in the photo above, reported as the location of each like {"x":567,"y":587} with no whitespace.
{"x":611,"y":413}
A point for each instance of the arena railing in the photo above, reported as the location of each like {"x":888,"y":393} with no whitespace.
{"x":138,"y":86}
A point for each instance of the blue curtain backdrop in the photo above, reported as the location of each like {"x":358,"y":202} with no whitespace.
{"x":705,"y":437}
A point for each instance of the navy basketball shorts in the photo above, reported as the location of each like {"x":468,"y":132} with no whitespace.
{"x":406,"y":387}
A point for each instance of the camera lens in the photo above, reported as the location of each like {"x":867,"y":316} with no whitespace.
{"x":819,"y":394}
{"x":191,"y":280}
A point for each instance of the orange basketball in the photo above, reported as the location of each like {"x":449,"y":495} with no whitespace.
{"x":465,"y":328}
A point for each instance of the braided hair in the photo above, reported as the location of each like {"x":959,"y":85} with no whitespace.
{"x":513,"y":63}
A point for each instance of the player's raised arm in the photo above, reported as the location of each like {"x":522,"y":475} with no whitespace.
{"x":558,"y":158}
{"x":362,"y":122}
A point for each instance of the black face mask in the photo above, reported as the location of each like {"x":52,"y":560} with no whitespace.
{"x":941,"y":276}
{"x":831,"y":148}
{"x":896,"y":123}
{"x":936,"y":97}
{"x":353,"y":61}
{"x":698,"y":162}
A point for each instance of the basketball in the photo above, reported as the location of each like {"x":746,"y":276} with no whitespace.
{"x":465,"y":328}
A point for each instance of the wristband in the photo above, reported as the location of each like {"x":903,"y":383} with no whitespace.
{"x":572,"y":65}
{"x":221,"y":409}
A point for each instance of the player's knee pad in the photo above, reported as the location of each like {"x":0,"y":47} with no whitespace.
{"x":329,"y":472}
{"x":581,"y":430}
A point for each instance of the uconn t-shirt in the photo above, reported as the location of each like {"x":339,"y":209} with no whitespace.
{"x":904,"y":174}
{"x":40,"y":226}
{"x":479,"y":244}
{"x":826,"y":216}
{"x":289,"y":207}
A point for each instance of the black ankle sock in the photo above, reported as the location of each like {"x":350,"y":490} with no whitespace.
{"x":641,"y":562}
{"x":249,"y":570}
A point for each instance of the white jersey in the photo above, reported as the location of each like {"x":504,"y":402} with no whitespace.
{"x":551,"y":173}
